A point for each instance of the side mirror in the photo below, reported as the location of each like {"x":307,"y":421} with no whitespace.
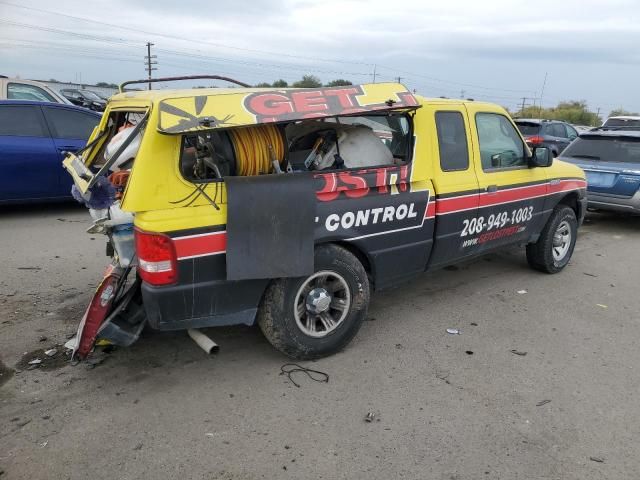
{"x":541,"y":157}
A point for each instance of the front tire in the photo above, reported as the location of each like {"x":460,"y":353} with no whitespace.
{"x":316,"y":316}
{"x":553,"y":250}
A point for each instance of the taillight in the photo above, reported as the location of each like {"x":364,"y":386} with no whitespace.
{"x":157,"y":263}
{"x":535,"y":140}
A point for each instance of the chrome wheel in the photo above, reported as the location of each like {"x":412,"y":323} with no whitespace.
{"x":561,"y":241}
{"x":322,"y":303}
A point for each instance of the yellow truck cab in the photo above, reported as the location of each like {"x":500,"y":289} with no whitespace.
{"x":288,"y":207}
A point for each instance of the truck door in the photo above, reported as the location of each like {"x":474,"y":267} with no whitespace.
{"x":456,"y":185}
{"x":512,"y":194}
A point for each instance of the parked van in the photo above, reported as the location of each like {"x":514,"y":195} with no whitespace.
{"x":289,"y":207}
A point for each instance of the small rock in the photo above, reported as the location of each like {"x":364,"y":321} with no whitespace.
{"x":597,"y":459}
{"x":138,"y":446}
{"x":469,"y":352}
{"x":42,"y":339}
{"x":35,"y":361}
{"x":369,"y":417}
{"x":543,"y":402}
{"x":51,"y":352}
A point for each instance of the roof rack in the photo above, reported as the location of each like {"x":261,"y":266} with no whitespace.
{"x":188,"y":77}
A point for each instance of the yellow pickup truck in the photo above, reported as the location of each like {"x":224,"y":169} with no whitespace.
{"x":289,"y":207}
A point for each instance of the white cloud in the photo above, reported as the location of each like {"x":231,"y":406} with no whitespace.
{"x":505,"y":46}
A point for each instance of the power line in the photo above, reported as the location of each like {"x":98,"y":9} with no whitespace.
{"x":280,"y":54}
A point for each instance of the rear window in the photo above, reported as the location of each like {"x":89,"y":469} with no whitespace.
{"x":605,"y":149}
{"x":527,"y":129}
{"x":619,"y":122}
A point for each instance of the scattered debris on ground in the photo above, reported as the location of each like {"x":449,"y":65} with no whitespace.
{"x":521,"y":292}
{"x":597,"y":459}
{"x":453,"y":331}
{"x":369,"y":417}
{"x":44,"y":359}
{"x":601,"y":305}
{"x":543,"y":402}
{"x":518,"y":352}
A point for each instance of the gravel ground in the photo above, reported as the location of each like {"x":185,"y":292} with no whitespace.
{"x":446,"y":406}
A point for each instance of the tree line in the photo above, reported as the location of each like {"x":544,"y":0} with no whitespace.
{"x":570,"y":111}
{"x":307,"y":81}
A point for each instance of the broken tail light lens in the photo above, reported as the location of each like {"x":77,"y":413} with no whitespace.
{"x":157,"y":261}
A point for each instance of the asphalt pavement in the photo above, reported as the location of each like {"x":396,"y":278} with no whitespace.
{"x":541,"y":383}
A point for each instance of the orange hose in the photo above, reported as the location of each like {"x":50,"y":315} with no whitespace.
{"x":255,"y":147}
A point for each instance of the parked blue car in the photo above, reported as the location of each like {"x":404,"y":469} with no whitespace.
{"x":33,"y":136}
{"x":611,"y":160}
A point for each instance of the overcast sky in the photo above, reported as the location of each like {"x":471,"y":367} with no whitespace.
{"x":496,"y":50}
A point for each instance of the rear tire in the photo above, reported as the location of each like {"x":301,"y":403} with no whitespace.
{"x":316,"y":316}
{"x":553,"y":250}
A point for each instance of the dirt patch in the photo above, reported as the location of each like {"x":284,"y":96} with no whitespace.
{"x":5,"y":373}
{"x":46,"y":362}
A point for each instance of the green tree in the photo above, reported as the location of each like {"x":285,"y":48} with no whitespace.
{"x":280,"y":84}
{"x":308,"y":81}
{"x":571,"y":111}
{"x":621,"y":112}
{"x":263,"y":85}
{"x":340,"y":82}
{"x":105,"y":84}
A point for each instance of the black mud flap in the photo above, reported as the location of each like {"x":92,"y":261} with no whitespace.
{"x":270,"y":226}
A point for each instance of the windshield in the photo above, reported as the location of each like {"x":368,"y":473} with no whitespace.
{"x":621,"y":122}
{"x":606,"y":149}
{"x":527,"y":129}
{"x":90,"y":95}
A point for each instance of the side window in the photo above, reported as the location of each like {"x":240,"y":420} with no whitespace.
{"x":558,"y":130}
{"x":500,"y":144}
{"x":22,"y":121}
{"x":571,"y":132}
{"x":23,"y":91}
{"x":65,"y":123}
{"x":452,"y":141}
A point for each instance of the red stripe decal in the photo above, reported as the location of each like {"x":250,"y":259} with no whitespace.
{"x":200,"y":245}
{"x":431,"y":210}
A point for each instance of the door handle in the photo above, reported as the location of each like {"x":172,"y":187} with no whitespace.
{"x":492,"y":188}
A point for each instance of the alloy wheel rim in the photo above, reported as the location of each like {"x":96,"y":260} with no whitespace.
{"x":561,"y":241}
{"x":322,"y":303}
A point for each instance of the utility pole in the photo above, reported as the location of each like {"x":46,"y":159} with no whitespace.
{"x":150,"y":62}
{"x":598,"y":114}
{"x":524,"y":99}
{"x":462,"y":92}
{"x":399,"y":79}
{"x":374,"y":73}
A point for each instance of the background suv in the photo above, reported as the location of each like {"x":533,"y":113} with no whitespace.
{"x":84,"y":98}
{"x":18,"y":89}
{"x":611,"y":160}
{"x":553,"y":134}
{"x":626,"y":121}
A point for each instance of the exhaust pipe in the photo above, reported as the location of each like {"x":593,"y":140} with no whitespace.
{"x":203,"y":341}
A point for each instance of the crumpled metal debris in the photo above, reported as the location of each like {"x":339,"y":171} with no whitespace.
{"x":51,"y":352}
